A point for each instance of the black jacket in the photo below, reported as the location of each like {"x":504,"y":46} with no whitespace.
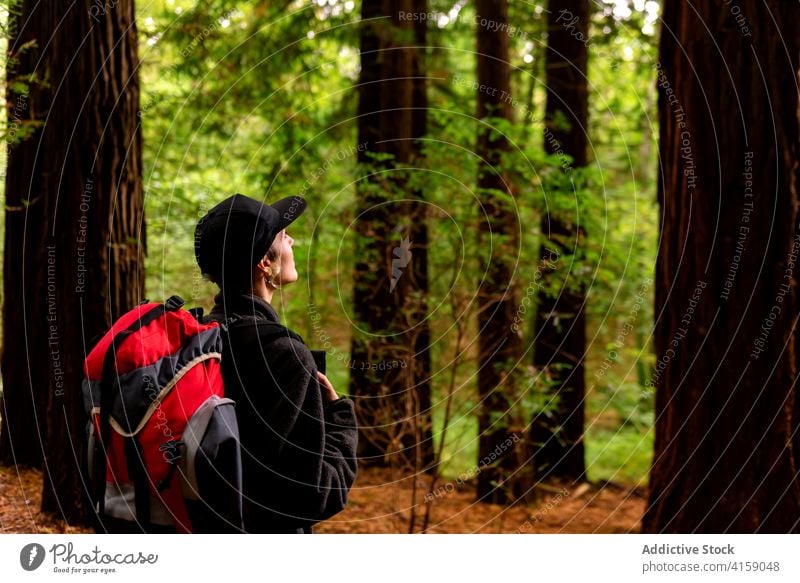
{"x":298,"y":451}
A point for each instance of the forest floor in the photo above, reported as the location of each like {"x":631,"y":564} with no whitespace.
{"x":380,"y":504}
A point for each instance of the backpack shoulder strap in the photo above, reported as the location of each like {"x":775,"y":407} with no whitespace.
{"x":265,"y":332}
{"x":266,"y":329}
{"x":269,"y":331}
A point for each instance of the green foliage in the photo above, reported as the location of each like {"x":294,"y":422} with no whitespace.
{"x":619,"y":456}
{"x":259,"y":98}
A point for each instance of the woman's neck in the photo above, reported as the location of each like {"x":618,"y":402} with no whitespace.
{"x":262,"y":290}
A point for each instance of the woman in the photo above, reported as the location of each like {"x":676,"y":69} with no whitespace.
{"x":298,"y":436}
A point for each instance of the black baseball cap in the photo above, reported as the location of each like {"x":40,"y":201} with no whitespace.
{"x":233,"y":236}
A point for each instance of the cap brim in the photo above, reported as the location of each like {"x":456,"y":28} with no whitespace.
{"x":289,"y":209}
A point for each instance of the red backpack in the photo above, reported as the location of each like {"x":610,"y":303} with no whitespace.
{"x":162,"y":447}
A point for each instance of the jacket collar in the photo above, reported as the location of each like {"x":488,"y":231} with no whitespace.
{"x":242,"y":304}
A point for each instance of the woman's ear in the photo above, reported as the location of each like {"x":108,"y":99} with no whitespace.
{"x":264,"y":264}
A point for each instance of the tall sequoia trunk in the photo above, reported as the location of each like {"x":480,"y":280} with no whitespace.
{"x":75,"y":234}
{"x":726,"y":457}
{"x":560,"y":345}
{"x":500,"y":350}
{"x":418,"y":212}
{"x":390,"y":374}
{"x":25,"y":387}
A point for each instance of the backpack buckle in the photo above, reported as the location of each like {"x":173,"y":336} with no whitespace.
{"x":197,"y":313}
{"x":174,"y":303}
{"x":225,"y":324}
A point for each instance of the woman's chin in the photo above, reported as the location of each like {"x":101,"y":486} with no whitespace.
{"x":290,"y":279}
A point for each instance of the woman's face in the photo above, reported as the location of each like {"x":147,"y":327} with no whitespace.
{"x":288,"y":272}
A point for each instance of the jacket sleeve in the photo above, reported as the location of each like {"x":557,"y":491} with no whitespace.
{"x":317,"y":440}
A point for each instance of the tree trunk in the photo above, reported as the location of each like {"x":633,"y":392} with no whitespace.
{"x":423,"y":437}
{"x":25,"y":387}
{"x":500,"y":350}
{"x":79,"y":181}
{"x":560,"y":342}
{"x":726,"y":301}
{"x":390,"y":374}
